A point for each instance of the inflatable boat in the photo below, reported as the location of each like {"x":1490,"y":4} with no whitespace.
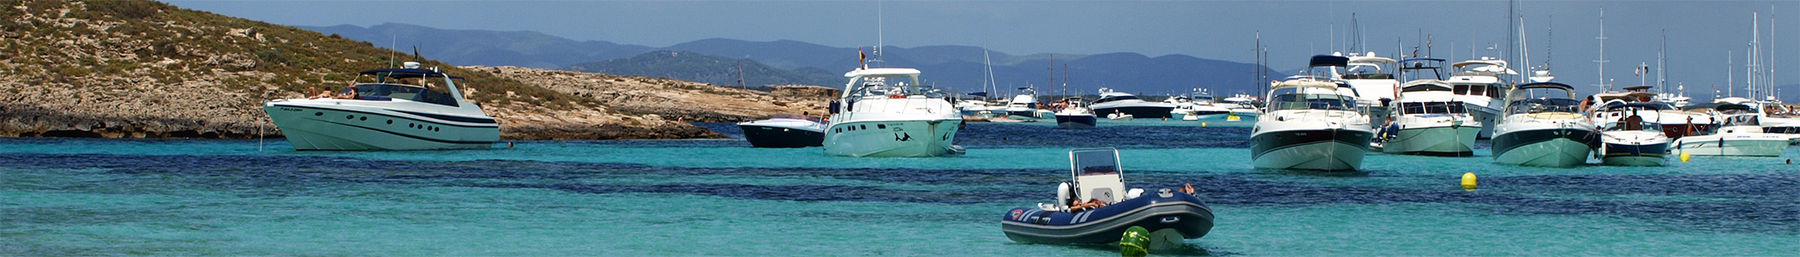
{"x":1170,"y":215}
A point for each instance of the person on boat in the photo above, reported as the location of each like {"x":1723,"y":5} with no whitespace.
{"x":349,"y":93}
{"x":1189,"y":188}
{"x":1077,"y":206}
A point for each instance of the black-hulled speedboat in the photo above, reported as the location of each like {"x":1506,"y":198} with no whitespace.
{"x":784,"y":132}
{"x":1168,"y":214}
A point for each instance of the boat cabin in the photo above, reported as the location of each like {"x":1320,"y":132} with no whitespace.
{"x":1633,"y":115}
{"x":418,"y":85}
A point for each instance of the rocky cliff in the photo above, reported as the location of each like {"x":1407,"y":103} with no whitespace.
{"x":147,"y":69}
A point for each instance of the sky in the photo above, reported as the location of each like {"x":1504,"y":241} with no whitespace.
{"x":1704,"y":38}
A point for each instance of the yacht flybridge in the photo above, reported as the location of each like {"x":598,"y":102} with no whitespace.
{"x":885,"y":112}
{"x":403,"y":109}
{"x":1477,"y":83}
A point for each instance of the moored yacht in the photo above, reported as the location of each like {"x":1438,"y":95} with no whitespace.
{"x":1075,"y":115}
{"x":1633,"y":140}
{"x":1373,"y":78}
{"x":1542,"y":127}
{"x":1740,"y":135}
{"x":402,"y":109}
{"x":1242,"y":107}
{"x":1427,"y":119}
{"x":1024,"y":106}
{"x":1477,"y":83}
{"x":1128,"y":105}
{"x":1310,"y":124}
{"x":885,"y":112}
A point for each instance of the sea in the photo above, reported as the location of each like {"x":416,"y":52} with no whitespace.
{"x":720,"y":197}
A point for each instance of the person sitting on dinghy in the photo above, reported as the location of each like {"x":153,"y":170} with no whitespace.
{"x":1089,"y":205}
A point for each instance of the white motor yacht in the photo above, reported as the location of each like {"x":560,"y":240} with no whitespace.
{"x":1542,"y":127}
{"x":1242,"y":107}
{"x":885,"y":112}
{"x":1477,"y":83}
{"x":1128,"y":105}
{"x":1309,"y":124}
{"x":1634,"y":140}
{"x":1024,"y":106}
{"x":1075,"y":115}
{"x":1740,"y":135}
{"x":402,"y":109}
{"x":1203,"y":107}
{"x":1373,"y":79}
{"x":1429,"y":122}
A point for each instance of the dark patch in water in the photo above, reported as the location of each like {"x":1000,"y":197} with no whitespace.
{"x":1727,"y":203}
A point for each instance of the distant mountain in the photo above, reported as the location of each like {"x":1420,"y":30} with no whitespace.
{"x":716,"y":70}
{"x":485,"y":47}
{"x":957,"y":67}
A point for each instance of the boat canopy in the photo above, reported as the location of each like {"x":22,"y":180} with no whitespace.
{"x":882,"y":72}
{"x":406,"y":73}
{"x":1424,"y":85}
{"x":1620,"y":105}
{"x":1329,"y":60}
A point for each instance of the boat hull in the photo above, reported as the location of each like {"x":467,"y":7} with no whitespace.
{"x":891,"y":138}
{"x":1140,"y":112}
{"x":1178,"y":212}
{"x":1433,"y":141}
{"x":1557,"y":147}
{"x":1076,"y":121}
{"x":346,"y":128}
{"x":1758,"y":145}
{"x":1323,"y":149}
{"x":767,"y":136}
{"x":1634,"y":148}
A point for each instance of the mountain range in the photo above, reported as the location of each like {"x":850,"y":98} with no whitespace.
{"x":785,"y":61}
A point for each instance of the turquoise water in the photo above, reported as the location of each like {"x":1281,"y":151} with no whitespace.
{"x":720,"y":197}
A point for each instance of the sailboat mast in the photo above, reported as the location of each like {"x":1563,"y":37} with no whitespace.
{"x":1662,"y":79}
{"x":1602,"y":61}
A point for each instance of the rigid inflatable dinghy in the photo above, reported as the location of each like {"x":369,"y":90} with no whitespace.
{"x":1171,"y":215}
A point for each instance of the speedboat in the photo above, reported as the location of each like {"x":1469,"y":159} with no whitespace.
{"x":1025,"y":106}
{"x":1741,"y":135}
{"x":1542,"y":127}
{"x":1170,"y":215}
{"x":1477,"y":83}
{"x":1633,"y":140}
{"x":1309,"y":124}
{"x":1428,"y":119}
{"x":1111,"y":102}
{"x":402,"y":109}
{"x":1075,"y":115}
{"x":784,"y":132}
{"x":1202,"y":107}
{"x":1373,"y":79}
{"x":1429,"y":122}
{"x":885,"y":112}
{"x":1242,"y":107}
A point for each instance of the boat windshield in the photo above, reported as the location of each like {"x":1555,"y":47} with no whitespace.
{"x":1451,"y":107}
{"x":1115,"y":98}
{"x":1298,"y":101}
{"x":1742,"y":120}
{"x":385,"y":91}
{"x":1096,"y":163}
{"x":1366,"y":71}
{"x":1538,"y":105}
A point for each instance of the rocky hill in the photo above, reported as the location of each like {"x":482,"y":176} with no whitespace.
{"x":148,"y":69}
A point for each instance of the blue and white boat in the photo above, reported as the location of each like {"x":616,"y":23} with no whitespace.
{"x":1075,"y":115}
{"x":403,"y":109}
{"x":1168,"y":214}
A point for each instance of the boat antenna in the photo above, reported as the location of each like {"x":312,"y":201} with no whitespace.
{"x":392,"y":44}
{"x":879,"y":35}
{"x":989,"y":61}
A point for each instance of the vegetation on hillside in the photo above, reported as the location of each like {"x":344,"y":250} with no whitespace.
{"x":119,"y":43}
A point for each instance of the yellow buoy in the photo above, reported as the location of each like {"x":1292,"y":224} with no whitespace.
{"x":1468,"y":181}
{"x":1202,"y":124}
{"x":1684,"y":156}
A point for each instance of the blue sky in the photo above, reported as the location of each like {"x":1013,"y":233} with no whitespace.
{"x":1700,"y":33}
